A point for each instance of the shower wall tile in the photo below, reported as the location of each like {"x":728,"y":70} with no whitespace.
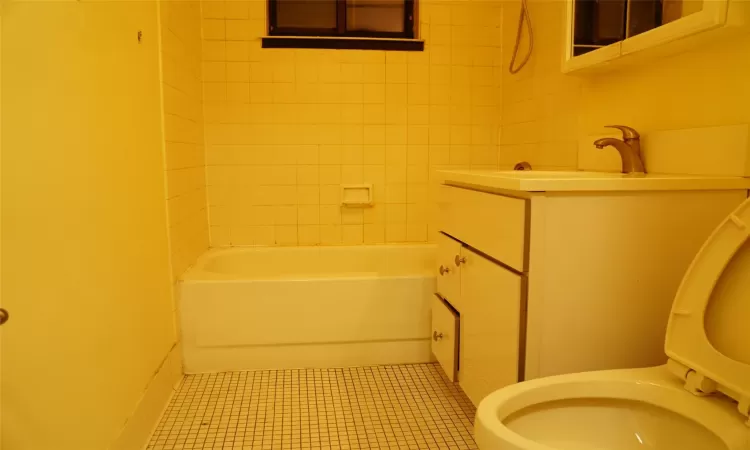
{"x":184,"y":127}
{"x":540,"y":104}
{"x":284,"y":128}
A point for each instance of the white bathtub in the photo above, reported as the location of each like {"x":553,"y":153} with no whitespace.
{"x":288,"y":307}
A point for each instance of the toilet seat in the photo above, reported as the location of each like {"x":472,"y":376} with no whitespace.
{"x":708,"y":346}
{"x":723,"y":260}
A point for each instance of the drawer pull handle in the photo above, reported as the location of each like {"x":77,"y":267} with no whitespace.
{"x":459,"y":260}
{"x":436,"y":336}
{"x":443,"y":270}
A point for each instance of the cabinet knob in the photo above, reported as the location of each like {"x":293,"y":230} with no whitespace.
{"x":4,"y":316}
{"x":443,"y":270}
{"x":459,"y":260}
{"x":436,"y":336}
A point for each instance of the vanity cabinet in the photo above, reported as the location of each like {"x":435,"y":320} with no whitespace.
{"x":484,"y":292}
{"x":533,"y":284}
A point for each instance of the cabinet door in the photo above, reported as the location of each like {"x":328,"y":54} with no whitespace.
{"x":492,"y":303}
{"x":449,"y":273}
{"x":445,"y":336}
{"x":697,"y":17}
{"x":655,"y":29}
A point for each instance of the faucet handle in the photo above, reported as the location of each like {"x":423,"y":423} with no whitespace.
{"x":627,"y":132}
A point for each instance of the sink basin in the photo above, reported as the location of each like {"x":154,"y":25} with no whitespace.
{"x":554,"y":174}
{"x":547,"y":180}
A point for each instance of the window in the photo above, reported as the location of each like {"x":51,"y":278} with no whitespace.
{"x":345,"y":19}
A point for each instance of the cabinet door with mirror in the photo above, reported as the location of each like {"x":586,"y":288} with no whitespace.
{"x":600,"y":31}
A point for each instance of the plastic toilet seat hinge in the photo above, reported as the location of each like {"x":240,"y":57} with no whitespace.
{"x":699,"y":384}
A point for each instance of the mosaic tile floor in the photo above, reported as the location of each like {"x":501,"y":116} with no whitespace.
{"x":379,"y":407}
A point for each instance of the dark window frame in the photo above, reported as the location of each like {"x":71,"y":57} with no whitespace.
{"x":340,"y":31}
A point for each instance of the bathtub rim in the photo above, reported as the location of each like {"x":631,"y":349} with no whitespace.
{"x":197,"y":272}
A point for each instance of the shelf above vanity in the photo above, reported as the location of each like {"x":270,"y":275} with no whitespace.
{"x":607,"y":35}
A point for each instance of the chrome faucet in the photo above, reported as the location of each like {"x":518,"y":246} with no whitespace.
{"x":629,"y":148}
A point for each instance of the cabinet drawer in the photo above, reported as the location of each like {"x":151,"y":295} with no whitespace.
{"x":448,"y":273}
{"x":445,"y":336}
{"x":492,"y":223}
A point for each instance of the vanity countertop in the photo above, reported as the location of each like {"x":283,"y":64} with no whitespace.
{"x":546,"y":181}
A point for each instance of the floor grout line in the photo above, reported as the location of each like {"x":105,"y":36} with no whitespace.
{"x":403,"y":407}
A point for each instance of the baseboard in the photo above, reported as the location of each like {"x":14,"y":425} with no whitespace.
{"x":220,"y":359}
{"x":141,"y":424}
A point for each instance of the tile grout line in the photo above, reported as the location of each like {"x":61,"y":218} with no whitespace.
{"x":410,"y":407}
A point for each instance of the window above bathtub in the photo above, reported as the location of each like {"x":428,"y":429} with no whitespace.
{"x":343,"y":24}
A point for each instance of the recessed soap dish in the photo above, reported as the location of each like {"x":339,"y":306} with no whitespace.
{"x":356,"y":195}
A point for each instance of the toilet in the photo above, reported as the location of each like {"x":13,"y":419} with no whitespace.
{"x":699,"y":400}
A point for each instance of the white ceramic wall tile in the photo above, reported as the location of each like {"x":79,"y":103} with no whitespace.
{"x":335,"y":117}
{"x":183,"y":128}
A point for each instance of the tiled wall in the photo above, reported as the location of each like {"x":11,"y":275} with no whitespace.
{"x":540,"y":105}
{"x":183,"y":131}
{"x":285,"y":128}
{"x":545,"y":112}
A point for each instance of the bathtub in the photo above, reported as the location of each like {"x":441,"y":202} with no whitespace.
{"x":247,"y":308}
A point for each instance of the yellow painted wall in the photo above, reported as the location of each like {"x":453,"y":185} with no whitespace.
{"x":708,"y":86}
{"x":183,"y":131}
{"x":545,"y":112}
{"x":285,"y":128}
{"x":85,"y":270}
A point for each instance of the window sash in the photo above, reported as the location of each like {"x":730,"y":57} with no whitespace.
{"x":340,"y":30}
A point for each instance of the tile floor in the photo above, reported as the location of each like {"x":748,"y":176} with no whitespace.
{"x":378,"y":407}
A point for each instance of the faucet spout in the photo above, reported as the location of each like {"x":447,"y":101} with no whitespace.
{"x":603,"y":142}
{"x":629,"y":149}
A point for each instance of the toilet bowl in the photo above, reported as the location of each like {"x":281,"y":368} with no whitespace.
{"x":699,"y":400}
{"x":614,"y":409}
